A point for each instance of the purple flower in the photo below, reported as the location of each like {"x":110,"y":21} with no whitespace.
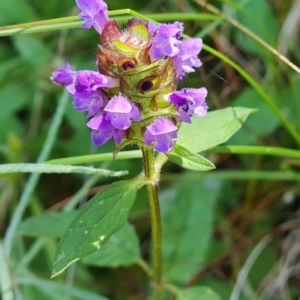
{"x":121,"y":112}
{"x":166,"y":41}
{"x":88,"y":93}
{"x":63,"y":76}
{"x":94,"y":13}
{"x":190,"y":49}
{"x":103,"y":130}
{"x":162,"y":132}
{"x":189,"y":102}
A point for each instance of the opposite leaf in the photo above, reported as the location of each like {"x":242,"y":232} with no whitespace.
{"x":213,"y":129}
{"x":189,"y":160}
{"x":99,"y":219}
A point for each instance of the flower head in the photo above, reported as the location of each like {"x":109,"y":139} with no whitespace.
{"x":162,"y":132}
{"x":189,"y":102}
{"x":139,"y":67}
{"x":94,"y":13}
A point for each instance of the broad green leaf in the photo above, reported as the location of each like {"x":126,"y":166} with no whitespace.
{"x":99,"y":219}
{"x":47,"y":225}
{"x":122,"y":249}
{"x":213,"y":129}
{"x":36,"y":54}
{"x":189,"y":160}
{"x":263,"y":123}
{"x":187,"y":221}
{"x":47,"y":168}
{"x":253,"y":15}
{"x":16,"y":11}
{"x":197,"y":293}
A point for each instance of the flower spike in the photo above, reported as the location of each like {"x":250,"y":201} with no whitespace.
{"x":132,"y":98}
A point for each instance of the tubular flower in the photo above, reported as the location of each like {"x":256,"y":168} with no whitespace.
{"x":94,"y":13}
{"x":132,"y":98}
{"x":103,"y":130}
{"x":121,"y":112}
{"x":189,"y":102}
{"x":162,"y":132}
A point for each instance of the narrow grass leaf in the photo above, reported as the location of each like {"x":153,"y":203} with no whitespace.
{"x":99,"y":219}
{"x":56,"y":290}
{"x":213,"y":129}
{"x":47,"y":168}
{"x":189,"y":160}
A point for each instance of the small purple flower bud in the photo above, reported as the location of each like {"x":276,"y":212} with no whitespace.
{"x":63,"y":76}
{"x":121,"y":112}
{"x":103,"y":130}
{"x":189,"y":102}
{"x":94,"y":13}
{"x":162,"y":132}
{"x":166,"y":41}
{"x":190,"y":49}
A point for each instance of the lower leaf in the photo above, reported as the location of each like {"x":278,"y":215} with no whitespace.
{"x":99,"y":219}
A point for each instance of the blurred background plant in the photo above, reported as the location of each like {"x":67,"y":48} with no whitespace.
{"x":235,"y":230}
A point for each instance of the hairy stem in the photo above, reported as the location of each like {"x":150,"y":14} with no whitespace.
{"x":152,"y":181}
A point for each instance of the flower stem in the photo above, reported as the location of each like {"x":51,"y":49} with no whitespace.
{"x":152,"y":181}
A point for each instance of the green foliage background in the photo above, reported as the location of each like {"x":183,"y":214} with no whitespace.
{"x":211,"y":221}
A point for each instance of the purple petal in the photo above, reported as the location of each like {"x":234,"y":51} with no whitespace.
{"x":151,"y":27}
{"x":119,"y":104}
{"x":94,"y":13}
{"x":121,"y":111}
{"x":161,"y":126}
{"x":164,"y":143}
{"x":166,"y":41}
{"x":119,"y":121}
{"x":86,"y":79}
{"x":189,"y":102}
{"x":99,"y":138}
{"x":190,"y":49}
{"x":99,"y":123}
{"x":63,"y":76}
{"x":162,"y":132}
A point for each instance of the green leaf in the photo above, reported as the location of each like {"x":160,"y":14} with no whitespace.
{"x":253,"y":16}
{"x":197,"y":292}
{"x":47,"y":225}
{"x":55,"y":290}
{"x":187,"y":219}
{"x":213,"y":129}
{"x":16,"y":11}
{"x":253,"y":130}
{"x":122,"y":249}
{"x":99,"y":219}
{"x":47,"y":168}
{"x":189,"y":160}
{"x":37,"y":54}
